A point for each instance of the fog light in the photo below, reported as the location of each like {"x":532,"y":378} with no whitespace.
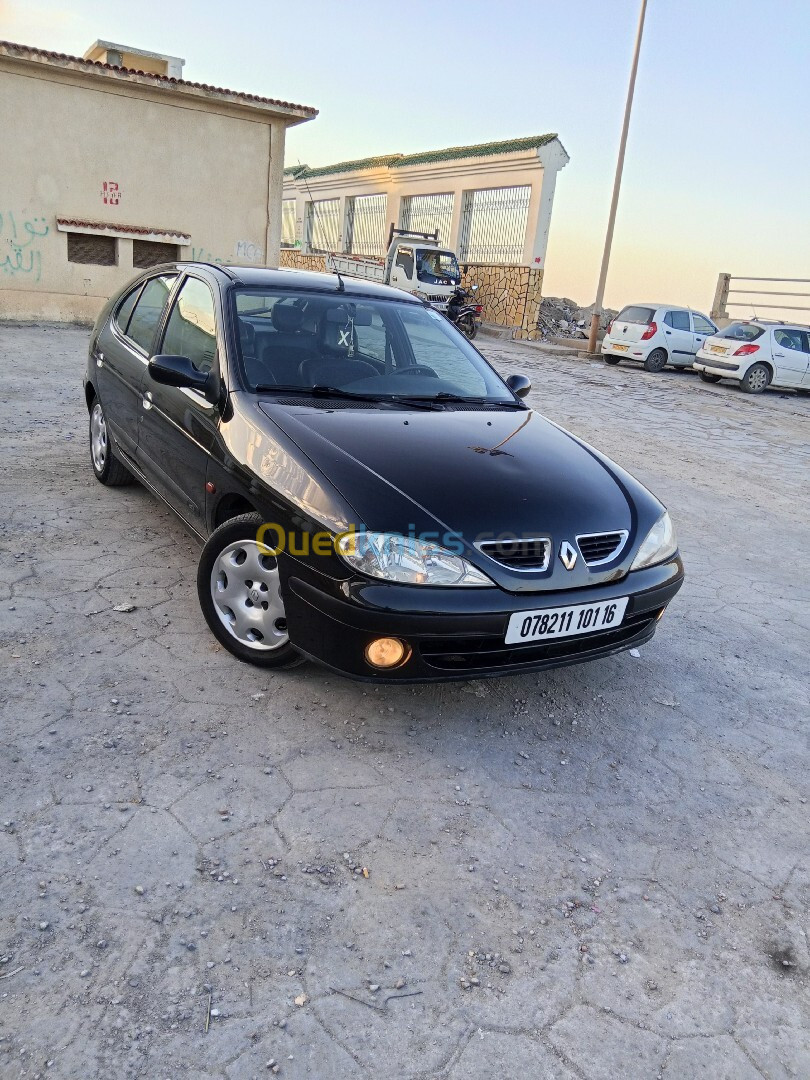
{"x":386,"y":652}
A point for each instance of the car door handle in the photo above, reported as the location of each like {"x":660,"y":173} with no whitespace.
{"x":779,"y":354}
{"x":147,"y":399}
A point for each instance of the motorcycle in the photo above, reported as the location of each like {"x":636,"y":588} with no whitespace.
{"x":466,"y":316}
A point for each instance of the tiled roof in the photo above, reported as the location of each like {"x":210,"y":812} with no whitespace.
{"x":13,"y":48}
{"x":138,"y":230}
{"x":452,"y":153}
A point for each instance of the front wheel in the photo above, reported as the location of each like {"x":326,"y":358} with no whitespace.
{"x":755,"y":379}
{"x":468,"y":326}
{"x":239,"y":592}
{"x":708,"y":377}
{"x":656,"y":361}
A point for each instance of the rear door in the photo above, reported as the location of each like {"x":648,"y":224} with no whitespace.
{"x":178,"y":425}
{"x":678,"y":337}
{"x":702,"y":328}
{"x":790,"y":355}
{"x":122,"y":350}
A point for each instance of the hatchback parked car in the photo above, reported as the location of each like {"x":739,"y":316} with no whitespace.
{"x":369,"y":492}
{"x":757,"y":354}
{"x":656,"y":335}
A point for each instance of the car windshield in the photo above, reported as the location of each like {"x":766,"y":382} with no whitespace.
{"x":742,"y":331}
{"x":382,"y":349}
{"x":437,"y":268}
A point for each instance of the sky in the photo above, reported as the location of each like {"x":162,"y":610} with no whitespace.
{"x":717,"y":174}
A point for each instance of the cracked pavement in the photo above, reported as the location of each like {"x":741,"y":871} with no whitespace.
{"x":584,"y":873}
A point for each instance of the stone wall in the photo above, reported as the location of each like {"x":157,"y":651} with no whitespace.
{"x":509,"y":295}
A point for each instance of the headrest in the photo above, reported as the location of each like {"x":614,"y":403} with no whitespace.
{"x":287,"y":318}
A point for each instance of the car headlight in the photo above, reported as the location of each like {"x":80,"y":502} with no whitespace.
{"x":406,"y":559}
{"x":659,"y":545}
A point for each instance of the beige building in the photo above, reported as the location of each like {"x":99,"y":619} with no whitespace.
{"x":113,"y":162}
{"x":491,"y":203}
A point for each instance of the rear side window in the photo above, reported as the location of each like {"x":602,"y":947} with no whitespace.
{"x":125,"y":309}
{"x":146,"y":316}
{"x":742,"y":331}
{"x":191,"y":330}
{"x":678,"y":320}
{"x":637,"y":315}
{"x":405,"y":260}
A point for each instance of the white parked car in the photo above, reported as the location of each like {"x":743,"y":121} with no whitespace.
{"x":656,"y":335}
{"x":757,"y":354}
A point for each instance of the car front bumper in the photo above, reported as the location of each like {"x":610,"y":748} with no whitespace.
{"x":458,"y":633}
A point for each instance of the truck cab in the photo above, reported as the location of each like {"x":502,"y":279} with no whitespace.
{"x":423,"y":267}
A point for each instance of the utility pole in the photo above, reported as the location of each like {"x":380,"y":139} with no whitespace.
{"x":617,"y":183}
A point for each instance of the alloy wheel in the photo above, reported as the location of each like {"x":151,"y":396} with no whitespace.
{"x":98,"y":438}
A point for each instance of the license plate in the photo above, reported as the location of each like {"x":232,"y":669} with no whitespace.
{"x":547,"y":623}
{"x":621,"y":348}
{"x":718,"y":349}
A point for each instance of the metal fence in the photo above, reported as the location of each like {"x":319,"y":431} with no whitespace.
{"x":323,"y":225}
{"x":749,"y":297}
{"x":493,"y":225}
{"x":427,"y":213}
{"x":288,"y":223}
{"x":366,"y":224}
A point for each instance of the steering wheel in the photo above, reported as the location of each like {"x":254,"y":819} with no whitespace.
{"x":417,"y":369}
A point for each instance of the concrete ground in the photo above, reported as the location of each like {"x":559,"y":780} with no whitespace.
{"x":596,"y":872}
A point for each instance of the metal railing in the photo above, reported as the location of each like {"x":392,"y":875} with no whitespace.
{"x":726,"y":289}
{"x":323,"y":225}
{"x":493,"y":225}
{"x":366,"y":224}
{"x":288,"y":223}
{"x":428,"y":213}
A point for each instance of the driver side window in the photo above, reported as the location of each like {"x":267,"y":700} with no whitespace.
{"x":191,"y":330}
{"x":405,"y":261}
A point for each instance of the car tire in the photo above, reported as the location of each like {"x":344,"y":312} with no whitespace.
{"x":106,"y":466}
{"x":239,"y":592}
{"x":611,"y":359}
{"x":656,"y":361}
{"x":756,"y":379}
{"x":708,"y":377}
{"x":468,"y":326}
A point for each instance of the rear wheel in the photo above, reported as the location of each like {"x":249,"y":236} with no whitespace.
{"x":468,"y":326}
{"x":708,"y":377}
{"x":106,"y":466}
{"x":755,"y":379}
{"x":611,"y":359}
{"x":656,"y":361}
{"x":238,"y":587}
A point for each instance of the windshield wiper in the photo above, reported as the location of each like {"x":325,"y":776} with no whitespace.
{"x":507,"y":403}
{"x":353,"y":395}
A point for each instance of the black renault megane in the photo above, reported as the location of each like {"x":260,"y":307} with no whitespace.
{"x":369,"y":492}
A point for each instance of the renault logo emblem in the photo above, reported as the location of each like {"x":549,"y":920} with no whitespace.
{"x":568,"y":555}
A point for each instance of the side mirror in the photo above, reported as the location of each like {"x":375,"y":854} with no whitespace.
{"x":179,"y":371}
{"x":519,"y":385}
{"x":474,"y":288}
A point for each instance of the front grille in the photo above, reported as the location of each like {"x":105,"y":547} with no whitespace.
{"x":597,"y":548}
{"x":518,"y":554}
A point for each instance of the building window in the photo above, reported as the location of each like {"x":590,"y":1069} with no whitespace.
{"x":98,"y":250}
{"x":288,"y":223}
{"x":323,"y":225}
{"x":146,"y":253}
{"x":366,"y":224}
{"x":493,"y":225}
{"x":428,"y":213}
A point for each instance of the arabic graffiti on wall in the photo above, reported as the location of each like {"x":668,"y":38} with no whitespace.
{"x":19,"y":247}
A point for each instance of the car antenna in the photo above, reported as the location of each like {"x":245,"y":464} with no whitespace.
{"x":341,"y":287}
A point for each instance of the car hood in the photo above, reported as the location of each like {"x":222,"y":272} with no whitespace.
{"x":474,"y":473}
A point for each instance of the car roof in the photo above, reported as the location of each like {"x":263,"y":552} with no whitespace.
{"x":287,"y":278}
{"x":656,"y":306}
{"x":772,"y":324}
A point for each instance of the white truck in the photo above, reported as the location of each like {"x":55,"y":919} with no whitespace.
{"x":415,"y":262}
